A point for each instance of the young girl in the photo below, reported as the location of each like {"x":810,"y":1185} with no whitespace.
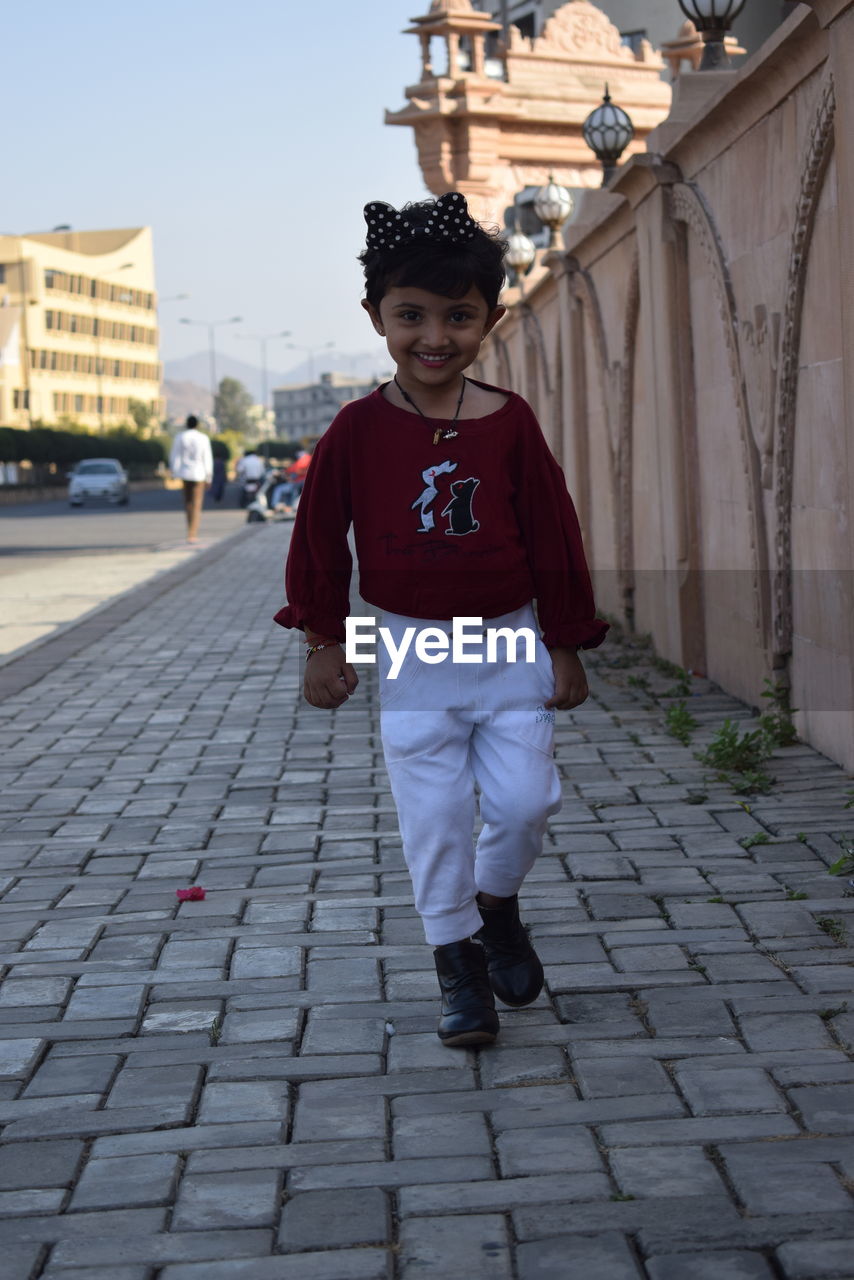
{"x":459,"y":511}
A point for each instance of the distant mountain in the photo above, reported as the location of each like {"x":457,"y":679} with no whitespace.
{"x":183,"y":398}
{"x":195,"y":369}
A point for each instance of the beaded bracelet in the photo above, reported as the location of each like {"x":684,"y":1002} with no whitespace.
{"x":315,"y":648}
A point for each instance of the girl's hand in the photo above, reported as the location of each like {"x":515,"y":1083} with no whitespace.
{"x":570,"y":680}
{"x":328,"y":680}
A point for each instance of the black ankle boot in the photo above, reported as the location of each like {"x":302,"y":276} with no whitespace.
{"x":468,"y":1007}
{"x":515,"y":972}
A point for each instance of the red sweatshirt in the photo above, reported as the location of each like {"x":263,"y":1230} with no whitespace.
{"x":476,"y":525}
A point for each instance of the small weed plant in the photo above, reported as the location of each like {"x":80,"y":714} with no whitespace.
{"x":833,"y":1011}
{"x":758,"y":837}
{"x":682,"y":687}
{"x":844,"y":866}
{"x":834,"y":928}
{"x":680,"y":723}
{"x":738,"y":758}
{"x":776,"y":720}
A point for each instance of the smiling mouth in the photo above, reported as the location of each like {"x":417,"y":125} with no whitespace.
{"x":434,"y":360}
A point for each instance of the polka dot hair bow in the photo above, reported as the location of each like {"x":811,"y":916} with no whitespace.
{"x":449,"y":218}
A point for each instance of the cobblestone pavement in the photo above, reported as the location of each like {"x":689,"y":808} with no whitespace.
{"x":57,"y":565}
{"x":249,"y":1086}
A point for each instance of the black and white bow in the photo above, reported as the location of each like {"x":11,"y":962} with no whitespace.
{"x":449,"y":217}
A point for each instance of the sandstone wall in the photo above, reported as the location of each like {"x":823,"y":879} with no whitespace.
{"x":691,"y":355}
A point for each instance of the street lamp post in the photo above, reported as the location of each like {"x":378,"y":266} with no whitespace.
{"x":211,"y":326}
{"x":607,"y":132}
{"x":312,"y":352}
{"x":521,"y":252}
{"x":173,"y":297}
{"x":263,"y":339}
{"x":553,"y":205}
{"x":713,"y":18}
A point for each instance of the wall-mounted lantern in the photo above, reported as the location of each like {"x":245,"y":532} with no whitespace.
{"x":713,"y":19}
{"x":607,"y":132}
{"x":553,"y":204}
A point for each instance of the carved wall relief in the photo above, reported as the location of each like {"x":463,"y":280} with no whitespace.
{"x":624,"y":458}
{"x":532,"y":358}
{"x":610,"y":378}
{"x":761,"y":348}
{"x":688,"y":205}
{"x":557,"y":434}
{"x":505,"y":370}
{"x":534,"y":337}
{"x":813,"y":169}
{"x":582,"y":28}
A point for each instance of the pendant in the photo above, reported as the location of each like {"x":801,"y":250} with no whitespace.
{"x":449,"y":435}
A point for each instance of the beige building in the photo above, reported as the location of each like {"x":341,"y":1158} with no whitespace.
{"x":305,"y":409}
{"x":690,"y":354}
{"x":78,"y":327}
{"x":636,"y":20}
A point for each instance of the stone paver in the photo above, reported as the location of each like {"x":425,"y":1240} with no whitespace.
{"x":249,"y":1085}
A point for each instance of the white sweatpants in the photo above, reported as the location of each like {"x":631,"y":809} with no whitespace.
{"x":446,"y":729}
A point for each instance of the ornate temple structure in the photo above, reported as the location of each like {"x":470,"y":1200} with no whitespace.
{"x":689,"y":349}
{"x":491,"y":119}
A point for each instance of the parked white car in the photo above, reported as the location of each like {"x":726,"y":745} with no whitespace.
{"x":98,"y":478}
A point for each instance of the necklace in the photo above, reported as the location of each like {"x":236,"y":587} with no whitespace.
{"x":441,"y":433}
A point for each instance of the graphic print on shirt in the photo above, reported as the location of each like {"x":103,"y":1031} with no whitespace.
{"x":459,"y":510}
{"x":428,"y":495}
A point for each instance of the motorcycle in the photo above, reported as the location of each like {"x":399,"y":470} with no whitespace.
{"x":249,"y":490}
{"x":261,"y":509}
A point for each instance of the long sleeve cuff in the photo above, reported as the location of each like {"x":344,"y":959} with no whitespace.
{"x":324,"y":624}
{"x":586,"y":635}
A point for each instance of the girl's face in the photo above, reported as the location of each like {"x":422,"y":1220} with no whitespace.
{"x":431,"y":338}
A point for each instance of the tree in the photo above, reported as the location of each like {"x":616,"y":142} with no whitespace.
{"x":142,"y":415}
{"x":232,"y":405}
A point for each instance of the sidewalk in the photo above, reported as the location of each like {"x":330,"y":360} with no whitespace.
{"x":44,"y":593}
{"x":249,"y":1087}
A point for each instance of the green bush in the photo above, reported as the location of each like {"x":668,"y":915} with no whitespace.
{"x":52,"y":452}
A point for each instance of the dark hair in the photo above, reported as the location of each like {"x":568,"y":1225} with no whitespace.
{"x":192,"y":422}
{"x":449,"y":268}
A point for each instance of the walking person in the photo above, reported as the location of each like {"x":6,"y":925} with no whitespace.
{"x":458,"y":509}
{"x":191,"y":461}
{"x":220,"y":477}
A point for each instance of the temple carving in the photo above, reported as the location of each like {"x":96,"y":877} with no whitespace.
{"x":491,"y":118}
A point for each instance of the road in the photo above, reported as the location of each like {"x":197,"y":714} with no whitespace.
{"x":57,"y":563}
{"x":151,"y":520}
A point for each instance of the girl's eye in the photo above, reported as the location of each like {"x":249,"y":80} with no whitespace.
{"x":410,"y":315}
{"x":461,"y":317}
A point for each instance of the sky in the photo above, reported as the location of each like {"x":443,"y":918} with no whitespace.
{"x":248,"y":136}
